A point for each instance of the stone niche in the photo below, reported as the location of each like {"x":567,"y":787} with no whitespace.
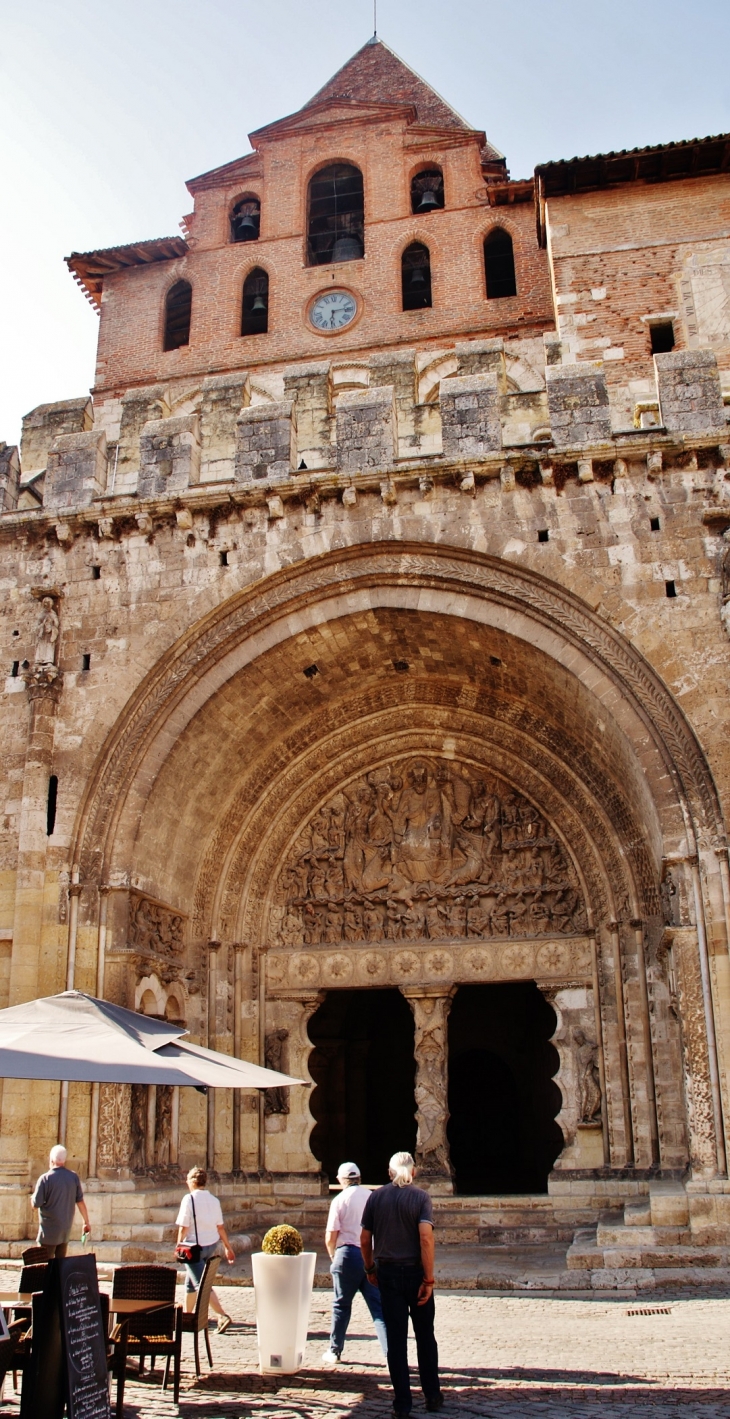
{"x":426,"y":870}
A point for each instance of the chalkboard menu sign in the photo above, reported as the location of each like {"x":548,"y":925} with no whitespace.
{"x":68,"y":1367}
{"x":87,"y":1380}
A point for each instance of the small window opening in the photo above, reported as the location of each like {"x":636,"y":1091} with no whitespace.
{"x":543,"y":535}
{"x":301,"y":467}
{"x":401,"y":666}
{"x":670,"y":588}
{"x":662,"y":338}
{"x":16,"y":634}
{"x":178,"y":310}
{"x":336,"y":220}
{"x":25,"y":665}
{"x":494,"y":660}
{"x":86,"y":662}
{"x":416,"y":276}
{"x":190,"y":541}
{"x":15,"y":669}
{"x":246,"y":220}
{"x":427,"y":191}
{"x":654,"y":524}
{"x":224,"y":559}
{"x":310,"y":671}
{"x":499,"y":265}
{"x":51,"y":805}
{"x":96,"y":573}
{"x":255,"y":308}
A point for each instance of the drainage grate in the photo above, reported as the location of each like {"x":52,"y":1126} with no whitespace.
{"x":651,"y":1311}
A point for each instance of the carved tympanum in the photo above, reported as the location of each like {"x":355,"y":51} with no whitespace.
{"x":153,"y":928}
{"x":426,"y":850}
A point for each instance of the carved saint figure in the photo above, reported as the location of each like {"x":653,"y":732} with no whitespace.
{"x":137,"y":1152}
{"x":46,"y":634}
{"x":163,"y":1125}
{"x":589,"y":1079}
{"x":421,"y":854}
{"x":276,"y":1101}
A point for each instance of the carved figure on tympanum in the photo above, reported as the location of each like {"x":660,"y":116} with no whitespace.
{"x":425,"y":850}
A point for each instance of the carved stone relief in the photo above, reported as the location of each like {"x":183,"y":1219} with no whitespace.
{"x":113,"y":1149}
{"x":276,"y":1101}
{"x":425,"y":850}
{"x":431,"y":1013}
{"x":154,"y":928}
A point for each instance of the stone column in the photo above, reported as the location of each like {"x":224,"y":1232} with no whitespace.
{"x":238,"y":950}
{"x":43,"y":683}
{"x":213,"y":948}
{"x":431,"y":1013}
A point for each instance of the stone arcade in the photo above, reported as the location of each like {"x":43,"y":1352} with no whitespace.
{"x":366,"y":646}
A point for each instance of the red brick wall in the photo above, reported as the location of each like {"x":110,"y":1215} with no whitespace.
{"x":637,"y":242}
{"x":130,"y":345}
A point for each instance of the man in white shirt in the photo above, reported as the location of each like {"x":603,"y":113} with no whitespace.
{"x":342,"y":1239}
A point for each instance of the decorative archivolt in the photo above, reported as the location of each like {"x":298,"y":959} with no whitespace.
{"x":451,"y":571}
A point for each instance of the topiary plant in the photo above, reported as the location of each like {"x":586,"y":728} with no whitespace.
{"x":282,"y":1241}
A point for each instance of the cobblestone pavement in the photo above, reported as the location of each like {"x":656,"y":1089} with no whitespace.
{"x":501,"y":1358}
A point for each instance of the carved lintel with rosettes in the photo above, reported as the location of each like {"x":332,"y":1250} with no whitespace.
{"x":559,"y":959}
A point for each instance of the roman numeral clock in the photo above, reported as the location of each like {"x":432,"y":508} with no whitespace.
{"x":332,"y":311}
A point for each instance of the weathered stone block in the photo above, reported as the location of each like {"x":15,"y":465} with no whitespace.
{"x":366,"y":429}
{"x":309,"y":387}
{"x":578,"y":403}
{"x":77,"y":470}
{"x":690,"y":396}
{"x":224,"y":395}
{"x":44,"y":424}
{"x":470,"y":422}
{"x":669,"y":1204}
{"x":266,"y":441}
{"x":483,"y":357}
{"x":169,"y":456}
{"x":9,"y":477}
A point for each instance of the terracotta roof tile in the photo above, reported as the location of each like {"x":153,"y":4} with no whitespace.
{"x":376,"y":75}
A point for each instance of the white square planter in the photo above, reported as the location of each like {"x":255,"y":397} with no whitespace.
{"x":283,"y":1290}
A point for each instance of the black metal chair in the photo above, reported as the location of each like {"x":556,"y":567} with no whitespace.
{"x":32,"y":1255}
{"x":116,"y":1353}
{"x":156,"y":1334}
{"x":192,"y":1322}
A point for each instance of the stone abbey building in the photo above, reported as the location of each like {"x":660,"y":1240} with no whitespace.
{"x":365,"y":640}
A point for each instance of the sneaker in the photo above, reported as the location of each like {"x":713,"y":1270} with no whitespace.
{"x":435,"y":1404}
{"x":330,"y":1357}
{"x":223,"y":1324}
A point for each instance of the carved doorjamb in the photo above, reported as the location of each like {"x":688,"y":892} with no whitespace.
{"x":431,"y":1009}
{"x":286,"y":1135}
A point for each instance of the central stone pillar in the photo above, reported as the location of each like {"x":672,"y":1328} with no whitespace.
{"x":431,"y":1008}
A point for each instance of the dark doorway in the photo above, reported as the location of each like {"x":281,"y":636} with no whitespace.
{"x":364,"y":1070}
{"x":502,"y":1099}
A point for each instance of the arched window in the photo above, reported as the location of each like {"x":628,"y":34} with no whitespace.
{"x":178,"y":309}
{"x":499,"y":264}
{"x":427,"y":191}
{"x":416,"y":276}
{"x":336,"y":215}
{"x":255,"y":308}
{"x":246,"y":220}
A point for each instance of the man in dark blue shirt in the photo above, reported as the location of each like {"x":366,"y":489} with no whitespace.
{"x":398,"y":1250}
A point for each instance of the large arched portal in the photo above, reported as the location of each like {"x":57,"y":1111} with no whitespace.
{"x":414,"y":770}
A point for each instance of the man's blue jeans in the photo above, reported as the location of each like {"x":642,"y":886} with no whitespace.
{"x":348,"y":1277}
{"x":399,"y":1295}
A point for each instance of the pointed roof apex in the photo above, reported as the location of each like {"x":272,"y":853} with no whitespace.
{"x":377,"y":75}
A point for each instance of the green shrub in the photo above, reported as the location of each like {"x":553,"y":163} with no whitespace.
{"x":282,"y":1241}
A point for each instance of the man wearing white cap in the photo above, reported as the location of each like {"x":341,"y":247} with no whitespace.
{"x":342,"y":1239}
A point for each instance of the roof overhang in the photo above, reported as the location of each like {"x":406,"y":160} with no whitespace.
{"x":89,"y":268}
{"x":667,"y":162}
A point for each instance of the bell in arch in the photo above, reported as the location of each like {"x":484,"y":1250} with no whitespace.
{"x":247,"y":225}
{"x":428,"y":201}
{"x":258,"y":302}
{"x":347,"y":248}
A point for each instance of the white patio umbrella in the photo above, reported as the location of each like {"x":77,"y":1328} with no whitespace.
{"x":76,"y":1037}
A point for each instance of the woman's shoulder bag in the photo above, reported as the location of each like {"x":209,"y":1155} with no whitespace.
{"x":189,"y":1251}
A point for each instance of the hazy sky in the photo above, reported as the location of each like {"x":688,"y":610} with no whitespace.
{"x":107,"y":109}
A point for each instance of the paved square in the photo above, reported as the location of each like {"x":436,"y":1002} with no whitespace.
{"x":502,"y":1358}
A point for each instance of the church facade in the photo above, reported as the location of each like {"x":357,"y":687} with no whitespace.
{"x":366,"y":656}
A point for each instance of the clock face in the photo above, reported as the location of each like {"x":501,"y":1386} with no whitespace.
{"x":333,"y":310}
